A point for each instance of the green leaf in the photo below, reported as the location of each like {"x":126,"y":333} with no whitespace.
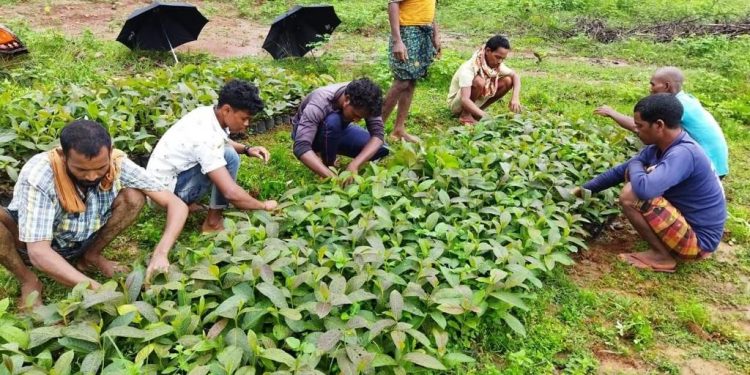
{"x":273,"y":293}
{"x":424,"y":360}
{"x":125,"y":331}
{"x":14,"y":335}
{"x":397,"y":304}
{"x":39,"y":336}
{"x":92,"y":363}
{"x":230,"y":358}
{"x":100,"y":297}
{"x":83,"y":331}
{"x":514,"y":324}
{"x":328,"y":340}
{"x":157,"y":330}
{"x":63,"y":364}
{"x":456,"y":358}
{"x":134,"y":283}
{"x":278,"y":355}
{"x":511,"y":299}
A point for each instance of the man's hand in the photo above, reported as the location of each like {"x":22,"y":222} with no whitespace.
{"x":577,"y":192}
{"x":399,"y":51}
{"x":158,"y":264}
{"x":515,"y":106}
{"x":270,"y":205}
{"x":259,"y":152}
{"x":604,"y":110}
{"x":437,"y":44}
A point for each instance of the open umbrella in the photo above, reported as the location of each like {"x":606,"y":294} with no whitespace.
{"x":162,"y":27}
{"x":293,"y":32}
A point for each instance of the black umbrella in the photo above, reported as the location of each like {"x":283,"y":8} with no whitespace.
{"x":162,"y":27}
{"x":292,"y":33}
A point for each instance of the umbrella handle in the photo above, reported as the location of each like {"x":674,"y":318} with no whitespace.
{"x":163,"y":30}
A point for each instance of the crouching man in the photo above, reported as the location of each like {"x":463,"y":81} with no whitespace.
{"x":672,"y":196}
{"x":70,"y":203}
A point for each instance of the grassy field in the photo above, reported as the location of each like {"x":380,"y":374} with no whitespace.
{"x":598,"y":316}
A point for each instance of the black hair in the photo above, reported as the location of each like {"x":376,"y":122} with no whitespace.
{"x":241,"y":95}
{"x":496,"y":42}
{"x":86,"y":137}
{"x":366,"y":94}
{"x":664,"y":106}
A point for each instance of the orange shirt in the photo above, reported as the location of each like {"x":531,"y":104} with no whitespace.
{"x":416,"y":12}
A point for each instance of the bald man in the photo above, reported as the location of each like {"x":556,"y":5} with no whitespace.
{"x":697,"y":122}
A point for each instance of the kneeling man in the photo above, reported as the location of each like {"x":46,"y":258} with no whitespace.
{"x":483,"y":80}
{"x":672,"y":196}
{"x":71,"y":202}
{"x":324,"y":126}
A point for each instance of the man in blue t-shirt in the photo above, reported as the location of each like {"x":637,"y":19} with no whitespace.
{"x":672,"y":196}
{"x":696,"y":121}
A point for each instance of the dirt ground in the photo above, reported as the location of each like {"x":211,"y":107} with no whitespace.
{"x":225,"y":35}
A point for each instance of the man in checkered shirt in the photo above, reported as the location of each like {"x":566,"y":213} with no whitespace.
{"x":43,"y":229}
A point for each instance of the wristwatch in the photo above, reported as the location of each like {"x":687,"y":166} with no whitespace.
{"x":247,"y":148}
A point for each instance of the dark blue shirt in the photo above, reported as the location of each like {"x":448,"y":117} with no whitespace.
{"x":683,"y":175}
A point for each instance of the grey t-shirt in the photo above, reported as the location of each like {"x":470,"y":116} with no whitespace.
{"x":314,"y":109}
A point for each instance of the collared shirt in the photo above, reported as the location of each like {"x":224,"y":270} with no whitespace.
{"x":706,"y":131}
{"x":314,"y":109}
{"x":197,"y":138}
{"x":415,"y":12}
{"x":683,"y":175}
{"x":42,"y":218}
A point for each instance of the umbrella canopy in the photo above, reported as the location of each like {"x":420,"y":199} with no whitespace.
{"x":162,"y":26}
{"x":9,"y":43}
{"x":292,"y":33}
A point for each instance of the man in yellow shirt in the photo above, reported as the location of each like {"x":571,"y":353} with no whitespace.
{"x":483,"y":80}
{"x":415,"y":42}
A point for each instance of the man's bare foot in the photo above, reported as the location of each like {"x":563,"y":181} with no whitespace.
{"x":212,"y":228}
{"x":107,"y":267}
{"x":651,"y":260}
{"x":402,"y":134}
{"x":197,"y":207}
{"x":467,"y":120}
{"x":31,"y":294}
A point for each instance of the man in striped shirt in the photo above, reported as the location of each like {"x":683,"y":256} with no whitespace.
{"x":71,"y":202}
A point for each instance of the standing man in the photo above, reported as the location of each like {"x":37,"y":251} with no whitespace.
{"x":672,"y":196}
{"x":483,"y":80}
{"x":196,"y":156}
{"x":324,"y":126}
{"x":414,"y":43}
{"x":696,"y":121}
{"x":70,"y":203}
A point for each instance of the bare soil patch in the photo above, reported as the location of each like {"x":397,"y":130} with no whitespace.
{"x":225,"y":35}
{"x":614,"y":364}
{"x":598,"y":29}
{"x":700,"y":366}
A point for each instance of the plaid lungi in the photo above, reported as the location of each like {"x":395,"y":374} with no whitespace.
{"x":670,"y":226}
{"x":420,"y":51}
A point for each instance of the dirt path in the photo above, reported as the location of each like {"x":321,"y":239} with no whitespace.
{"x":225,"y":35}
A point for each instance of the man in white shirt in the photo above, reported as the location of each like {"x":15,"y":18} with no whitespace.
{"x":196,"y":156}
{"x":483,"y":80}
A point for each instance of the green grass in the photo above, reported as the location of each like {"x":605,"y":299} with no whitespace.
{"x":573,"y":320}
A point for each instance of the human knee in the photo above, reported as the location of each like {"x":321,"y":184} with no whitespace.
{"x":333,"y":121}
{"x":478,"y":82}
{"x":233,"y":160}
{"x":132,"y":200}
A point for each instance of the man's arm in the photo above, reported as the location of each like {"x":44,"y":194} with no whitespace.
{"x":399,"y":48}
{"x":626,"y":122}
{"x":675,"y":167}
{"x":47,"y":260}
{"x":177,"y":212}
{"x":312,"y":161}
{"x":371,"y":147}
{"x":436,"y":41}
{"x":515,"y":99}
{"x":607,"y":179}
{"x":236,"y":194}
